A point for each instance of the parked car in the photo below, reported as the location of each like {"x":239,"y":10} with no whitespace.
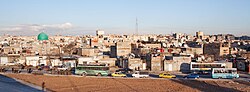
{"x":140,"y":74}
{"x":166,"y":75}
{"x":118,"y":74}
{"x":125,"y":70}
{"x":196,"y":76}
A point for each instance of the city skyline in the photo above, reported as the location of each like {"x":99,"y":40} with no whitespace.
{"x":116,"y":16}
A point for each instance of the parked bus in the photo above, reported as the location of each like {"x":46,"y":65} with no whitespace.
{"x":224,"y":73}
{"x":206,"y":66}
{"x":98,"y":70}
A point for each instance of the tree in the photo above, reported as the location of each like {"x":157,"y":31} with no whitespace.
{"x":68,"y":49}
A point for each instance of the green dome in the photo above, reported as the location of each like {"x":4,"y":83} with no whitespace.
{"x":42,"y":36}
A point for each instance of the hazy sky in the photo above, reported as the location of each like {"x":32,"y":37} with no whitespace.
{"x":76,"y":17}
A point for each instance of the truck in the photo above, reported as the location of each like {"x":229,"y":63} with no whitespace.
{"x":140,"y":74}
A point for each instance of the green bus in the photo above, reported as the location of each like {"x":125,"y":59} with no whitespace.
{"x":98,"y":70}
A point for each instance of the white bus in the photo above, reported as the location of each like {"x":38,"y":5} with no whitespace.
{"x":224,"y":73}
{"x":206,"y":66}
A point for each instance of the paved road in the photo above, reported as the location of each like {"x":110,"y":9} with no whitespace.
{"x":11,"y":85}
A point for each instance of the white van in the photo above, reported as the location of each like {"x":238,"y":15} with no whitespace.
{"x":139,"y":74}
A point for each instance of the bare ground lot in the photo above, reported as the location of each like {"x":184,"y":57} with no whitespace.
{"x":83,"y":84}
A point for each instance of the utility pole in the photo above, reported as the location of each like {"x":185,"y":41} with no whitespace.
{"x":136,"y":26}
{"x":162,"y":59}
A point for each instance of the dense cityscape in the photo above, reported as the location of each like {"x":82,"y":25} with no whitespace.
{"x":124,"y":46}
{"x":169,"y":56}
{"x":146,"y":52}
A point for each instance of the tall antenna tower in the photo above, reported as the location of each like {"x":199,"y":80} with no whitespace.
{"x":136,"y":26}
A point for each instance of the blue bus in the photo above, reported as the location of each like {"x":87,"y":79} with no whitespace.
{"x":224,"y":73}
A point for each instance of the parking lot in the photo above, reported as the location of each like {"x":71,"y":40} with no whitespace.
{"x":152,"y":75}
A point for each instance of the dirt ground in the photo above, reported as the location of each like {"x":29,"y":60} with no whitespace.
{"x":83,"y":84}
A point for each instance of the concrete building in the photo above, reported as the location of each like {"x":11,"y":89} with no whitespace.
{"x":122,"y":62}
{"x":120,"y":49}
{"x":99,"y":33}
{"x":56,"y":62}
{"x":36,"y":60}
{"x":241,"y":64}
{"x":108,"y":62}
{"x":156,"y":63}
{"x":88,"y":52}
{"x":178,"y":35}
{"x":85,"y":60}
{"x":152,"y":45}
{"x":69,"y":61}
{"x":216,"y":49}
{"x":192,"y":51}
{"x":136,"y":64}
{"x":140,"y":51}
{"x":177,"y":63}
{"x":3,"y":60}
{"x":94,"y":60}
{"x":200,"y":35}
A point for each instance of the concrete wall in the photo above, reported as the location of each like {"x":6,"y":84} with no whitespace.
{"x":224,"y":51}
{"x":176,"y":66}
{"x":123,"y":48}
{"x":141,"y":51}
{"x":98,"y":33}
{"x":88,"y":51}
{"x":85,"y":60}
{"x":120,"y":49}
{"x":110,"y":62}
{"x":135,"y":63}
{"x":3,"y":60}
{"x":56,"y":62}
{"x":70,"y":63}
{"x":156,"y":64}
{"x":212,"y":49}
{"x":179,"y":63}
{"x":217,"y":49}
{"x":153,"y":45}
{"x":194,"y":51}
{"x":32,"y":60}
{"x":229,"y":64}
